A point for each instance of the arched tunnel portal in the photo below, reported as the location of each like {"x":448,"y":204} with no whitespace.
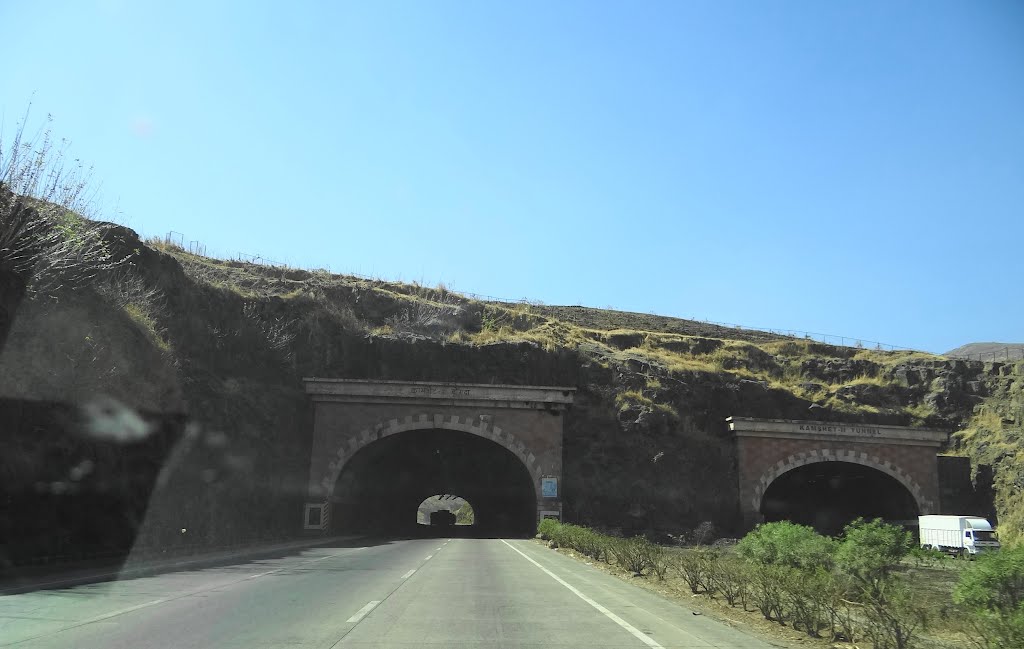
{"x":821,"y":472}
{"x":380,"y":447}
{"x":380,"y":488}
{"x":828,"y":495}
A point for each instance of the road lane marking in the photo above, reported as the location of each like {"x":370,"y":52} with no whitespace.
{"x":107,"y":616}
{"x":429,"y":557}
{"x":361,"y":613}
{"x":438,"y":549}
{"x":408,"y":574}
{"x":635,"y":632}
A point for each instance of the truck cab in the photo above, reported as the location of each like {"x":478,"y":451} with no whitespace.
{"x":979,"y":536}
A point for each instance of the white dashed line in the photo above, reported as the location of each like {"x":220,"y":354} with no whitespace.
{"x":107,"y":616}
{"x":408,"y":574}
{"x":635,"y":632}
{"x":429,"y":557}
{"x":361,"y":613}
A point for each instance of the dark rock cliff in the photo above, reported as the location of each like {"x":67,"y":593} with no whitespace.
{"x":226,"y":344}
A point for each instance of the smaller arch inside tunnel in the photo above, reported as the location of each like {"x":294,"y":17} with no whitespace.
{"x":382,"y":487}
{"x":446,"y":509}
{"x":828,"y":495}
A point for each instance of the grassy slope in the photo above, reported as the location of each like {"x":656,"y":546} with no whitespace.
{"x":995,"y":436}
{"x":662,"y":344}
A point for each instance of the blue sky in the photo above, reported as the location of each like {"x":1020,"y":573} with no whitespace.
{"x":854,"y":168}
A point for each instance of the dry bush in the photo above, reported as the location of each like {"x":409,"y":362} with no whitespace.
{"x":729,"y":577}
{"x":277,"y":332}
{"x":45,"y":239}
{"x":143,"y":303}
{"x":439,"y":315}
{"x":635,"y":555}
{"x":124,"y":290}
{"x":697,"y":568}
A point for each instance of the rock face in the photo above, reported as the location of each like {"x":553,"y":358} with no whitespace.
{"x":240,"y":339}
{"x":837,"y":370}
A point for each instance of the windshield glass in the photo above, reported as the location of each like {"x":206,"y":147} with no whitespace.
{"x":983,"y":535}
{"x":377,"y":322}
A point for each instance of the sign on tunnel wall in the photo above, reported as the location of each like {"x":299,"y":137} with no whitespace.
{"x":549,"y":487}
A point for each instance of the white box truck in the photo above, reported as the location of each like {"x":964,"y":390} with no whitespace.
{"x":963,"y":535}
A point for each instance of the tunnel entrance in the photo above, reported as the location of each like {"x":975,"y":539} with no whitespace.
{"x":445,"y":509}
{"x":828,"y":495}
{"x":382,"y":486}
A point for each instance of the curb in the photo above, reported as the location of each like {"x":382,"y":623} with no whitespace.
{"x":137,"y":568}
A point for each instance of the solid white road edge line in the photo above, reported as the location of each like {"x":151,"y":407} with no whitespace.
{"x":408,"y":574}
{"x":361,"y":613}
{"x":637,"y":633}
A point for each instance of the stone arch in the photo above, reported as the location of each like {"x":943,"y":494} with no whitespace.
{"x":797,"y":460}
{"x":479,"y":426}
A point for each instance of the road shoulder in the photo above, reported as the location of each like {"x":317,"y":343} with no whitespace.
{"x":673,"y":591}
{"x":30,"y":579}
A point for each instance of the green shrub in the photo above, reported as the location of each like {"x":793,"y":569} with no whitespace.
{"x":992,"y":589}
{"x":870,"y":550}
{"x":926,"y":557}
{"x":588,"y":542}
{"x":575,"y":537}
{"x":787,"y":544}
{"x":547,"y":528}
{"x":563,"y":535}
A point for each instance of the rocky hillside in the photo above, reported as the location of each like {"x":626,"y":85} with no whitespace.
{"x":226,"y":344}
{"x":989,"y":351}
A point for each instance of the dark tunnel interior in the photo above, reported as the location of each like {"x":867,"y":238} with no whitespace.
{"x":828,"y":495}
{"x":381,"y":487}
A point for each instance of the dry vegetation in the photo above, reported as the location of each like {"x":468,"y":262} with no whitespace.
{"x":995,"y":436}
{"x":666,"y":347}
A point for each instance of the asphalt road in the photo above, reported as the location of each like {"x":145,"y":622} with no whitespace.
{"x":403,"y":593}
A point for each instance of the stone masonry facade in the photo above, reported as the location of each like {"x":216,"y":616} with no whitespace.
{"x":352,"y":414}
{"x":768,"y":448}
